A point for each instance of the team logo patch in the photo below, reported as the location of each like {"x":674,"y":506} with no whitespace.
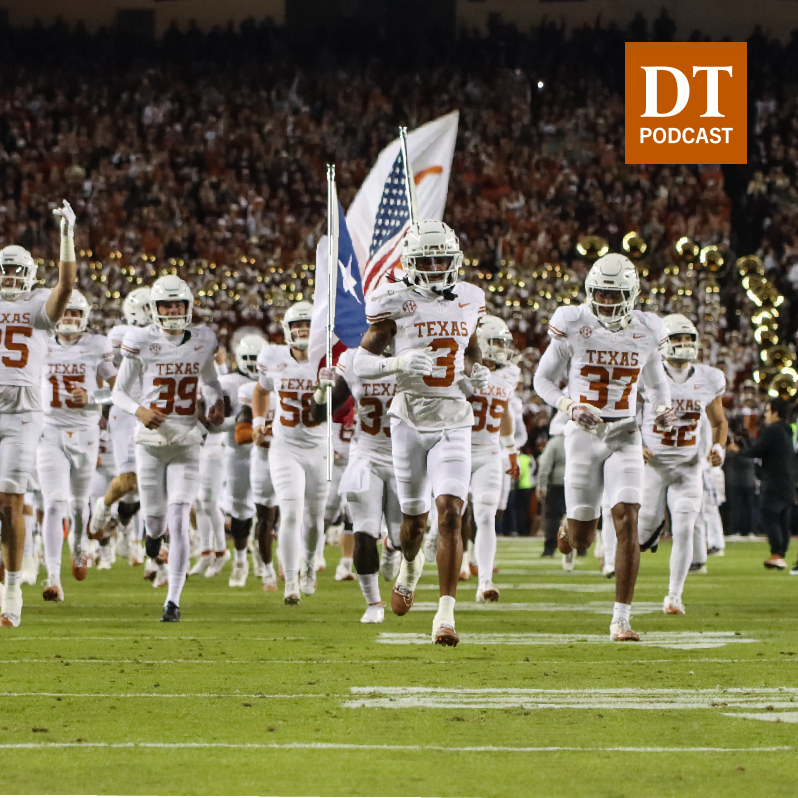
{"x":155,"y":348}
{"x":586,"y":332}
{"x":409,"y":306}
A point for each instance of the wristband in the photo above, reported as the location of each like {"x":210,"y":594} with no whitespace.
{"x":716,"y":447}
{"x":508,"y":441}
{"x":565,"y":404}
{"x":259,"y":421}
{"x":68,"y":248}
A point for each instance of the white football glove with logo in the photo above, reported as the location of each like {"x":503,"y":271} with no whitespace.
{"x":326,"y":380}
{"x":665,"y":418}
{"x":582,"y":414}
{"x":416,"y":362}
{"x":67,"y":216}
{"x":480,"y":376}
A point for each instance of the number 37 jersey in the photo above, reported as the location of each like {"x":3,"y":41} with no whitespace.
{"x":606,"y":365}
{"x":293,"y":383}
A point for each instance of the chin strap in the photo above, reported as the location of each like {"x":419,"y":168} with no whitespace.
{"x":446,"y":294}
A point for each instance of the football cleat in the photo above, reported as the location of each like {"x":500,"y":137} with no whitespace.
{"x":269,"y":578}
{"x":375,"y":613}
{"x":608,"y":569}
{"x":307,"y":578}
{"x":672,"y":605}
{"x":389,"y":564}
{"x":136,"y":554}
{"x":104,"y":564}
{"x":150,"y":569}
{"x":774,"y":562}
{"x":239,"y":576}
{"x":99,"y":518}
{"x":622,"y":632}
{"x":52,"y":591}
{"x":794,"y":571}
{"x":205,"y":561}
{"x":716,"y":552}
{"x":218,"y":563}
{"x":487,"y":592}
{"x":443,"y":633}
{"x":562,"y":541}
{"x":11,"y":613}
{"x":171,"y":613}
{"x":343,"y":573}
{"x":161,"y":576}
{"x":568,"y":560}
{"x":79,"y":567}
{"x":320,"y":563}
{"x":699,"y":568}
{"x":292,"y":595}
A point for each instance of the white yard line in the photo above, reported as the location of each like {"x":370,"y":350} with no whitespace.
{"x":291,"y":696}
{"x":596,"y":607}
{"x":565,"y":587}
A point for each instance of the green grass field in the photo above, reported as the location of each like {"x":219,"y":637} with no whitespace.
{"x":247,"y":696}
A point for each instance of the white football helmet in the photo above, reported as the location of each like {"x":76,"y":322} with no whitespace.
{"x":676,"y":324}
{"x":171,"y":289}
{"x":247,"y":353}
{"x":17,"y":272}
{"x":426,"y":247}
{"x":299,"y":311}
{"x":136,"y":308}
{"x":495,"y":339}
{"x":613,"y":272}
{"x":75,"y":325}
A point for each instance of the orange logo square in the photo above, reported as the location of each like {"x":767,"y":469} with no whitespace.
{"x":686,"y":102}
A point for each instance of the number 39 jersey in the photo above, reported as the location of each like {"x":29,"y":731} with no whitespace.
{"x":171,"y":369}
{"x":690,"y":399}
{"x":71,"y":365}
{"x":24,"y":332}
{"x":444,"y":326}
{"x":606,"y":365}
{"x":293,"y":384}
{"x":490,"y":405}
{"x":372,"y":400}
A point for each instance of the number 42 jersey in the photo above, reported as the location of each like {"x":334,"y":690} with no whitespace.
{"x":605,"y":365}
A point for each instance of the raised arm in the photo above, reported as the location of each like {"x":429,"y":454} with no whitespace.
{"x":67,"y":266}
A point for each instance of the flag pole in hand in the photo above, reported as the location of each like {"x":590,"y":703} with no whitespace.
{"x":409,"y":180}
{"x":332,"y":285}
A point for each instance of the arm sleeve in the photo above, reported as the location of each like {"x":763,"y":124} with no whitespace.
{"x":658,"y":392}
{"x":371,"y":367}
{"x":551,"y":369}
{"x":212,"y":388}
{"x":129,"y":375}
{"x":107,"y":369}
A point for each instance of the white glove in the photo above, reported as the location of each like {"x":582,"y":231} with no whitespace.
{"x":583,"y":415}
{"x":480,"y":376}
{"x":67,"y":219}
{"x":416,"y":362}
{"x":665,"y":419}
{"x":326,"y":380}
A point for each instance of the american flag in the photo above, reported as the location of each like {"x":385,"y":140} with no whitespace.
{"x":390,"y":225}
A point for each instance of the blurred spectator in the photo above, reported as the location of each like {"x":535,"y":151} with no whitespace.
{"x":740,"y":485}
{"x":551,"y":488}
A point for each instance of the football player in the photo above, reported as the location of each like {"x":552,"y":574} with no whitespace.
{"x":297,"y":455}
{"x":492,"y":432}
{"x":167,"y":360}
{"x":673,"y":476}
{"x":77,"y":366}
{"x":27,"y":316}
{"x":122,"y":427}
{"x":603,"y":346}
{"x":432,"y":319}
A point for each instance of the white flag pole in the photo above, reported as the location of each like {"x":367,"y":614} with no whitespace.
{"x":332,"y":284}
{"x":409,"y":180}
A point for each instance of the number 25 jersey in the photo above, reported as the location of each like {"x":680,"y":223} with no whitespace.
{"x":606,"y":365}
{"x":293,"y":383}
{"x":445,"y":327}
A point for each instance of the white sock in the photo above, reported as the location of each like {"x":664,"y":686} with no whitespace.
{"x":241,"y":557}
{"x":485,"y":543}
{"x":289,"y":541}
{"x":204,"y":528}
{"x":370,"y":585}
{"x":13,"y":579}
{"x":621,"y":612}
{"x":53,"y":534}
{"x":682,"y":525}
{"x":414,"y":568}
{"x":268,"y":569}
{"x":347,"y":561}
{"x":177,"y":521}
{"x":28,"y":551}
{"x":322,"y":539}
{"x":446,"y":609}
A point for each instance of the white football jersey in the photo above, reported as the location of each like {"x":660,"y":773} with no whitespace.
{"x":293,"y":383}
{"x":76,"y":364}
{"x":116,"y":337}
{"x":24,"y":337}
{"x":372,"y":400}
{"x":490,"y":405}
{"x":231,"y":388}
{"x":606,"y":365}
{"x":444,"y":327}
{"x":171,"y":371}
{"x":690,"y":399}
{"x":245,"y":398}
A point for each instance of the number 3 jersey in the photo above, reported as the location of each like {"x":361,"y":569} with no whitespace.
{"x":690,"y":398}
{"x":170,"y":368}
{"x":24,"y":335}
{"x":372,"y":400}
{"x":444,"y":327}
{"x":605,"y":365}
{"x":70,"y":365}
{"x":293,"y":383}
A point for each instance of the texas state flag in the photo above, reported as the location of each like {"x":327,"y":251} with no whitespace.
{"x":350,"y":306}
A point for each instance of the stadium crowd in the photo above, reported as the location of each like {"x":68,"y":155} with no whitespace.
{"x":203,"y":155}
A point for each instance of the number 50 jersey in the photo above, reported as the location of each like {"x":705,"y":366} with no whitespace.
{"x":606,"y":365}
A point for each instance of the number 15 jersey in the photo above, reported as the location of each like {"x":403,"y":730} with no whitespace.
{"x":605,"y":365}
{"x":445,"y":327}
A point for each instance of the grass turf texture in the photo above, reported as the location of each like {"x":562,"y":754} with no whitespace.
{"x":243,"y":678}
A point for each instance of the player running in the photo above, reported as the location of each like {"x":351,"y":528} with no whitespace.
{"x":168,"y":359}
{"x":602,"y":347}
{"x":673,"y":476}
{"x":75,"y":371}
{"x":432,"y":319}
